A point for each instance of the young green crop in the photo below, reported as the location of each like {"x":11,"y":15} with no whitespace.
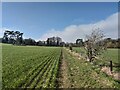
{"x":37,"y":67}
{"x":23,"y":65}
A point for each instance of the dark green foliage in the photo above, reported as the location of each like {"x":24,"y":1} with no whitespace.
{"x":29,"y":41}
{"x":12,"y":37}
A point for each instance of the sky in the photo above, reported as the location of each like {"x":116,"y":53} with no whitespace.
{"x":68,"y":20}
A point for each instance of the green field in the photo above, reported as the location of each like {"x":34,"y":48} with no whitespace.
{"x":38,"y":67}
{"x":29,"y":66}
{"x":108,"y":55}
{"x":111,"y":54}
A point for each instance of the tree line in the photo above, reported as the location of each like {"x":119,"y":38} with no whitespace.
{"x":16,"y":38}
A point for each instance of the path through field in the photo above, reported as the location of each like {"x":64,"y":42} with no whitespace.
{"x":63,"y":81}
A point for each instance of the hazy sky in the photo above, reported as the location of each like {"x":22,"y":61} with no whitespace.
{"x":67,"y":20}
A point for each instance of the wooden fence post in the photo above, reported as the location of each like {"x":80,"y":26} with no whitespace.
{"x":111,"y":66}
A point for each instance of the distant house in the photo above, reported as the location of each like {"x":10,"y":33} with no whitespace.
{"x":54,"y":41}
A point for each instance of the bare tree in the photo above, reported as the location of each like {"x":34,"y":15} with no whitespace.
{"x":94,"y":44}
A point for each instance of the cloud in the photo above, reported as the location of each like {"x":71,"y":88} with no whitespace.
{"x":70,"y":33}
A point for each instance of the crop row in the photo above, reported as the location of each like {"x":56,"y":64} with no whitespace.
{"x":30,"y":67}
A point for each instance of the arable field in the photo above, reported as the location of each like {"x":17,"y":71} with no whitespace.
{"x":40,"y":67}
{"x":29,"y":66}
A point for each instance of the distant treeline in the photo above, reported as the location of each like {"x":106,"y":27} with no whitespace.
{"x":112,"y":43}
{"x":109,"y":43}
{"x":15,"y":38}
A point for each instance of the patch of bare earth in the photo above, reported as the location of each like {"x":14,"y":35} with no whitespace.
{"x":113,"y":74}
{"x":63,"y":81}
